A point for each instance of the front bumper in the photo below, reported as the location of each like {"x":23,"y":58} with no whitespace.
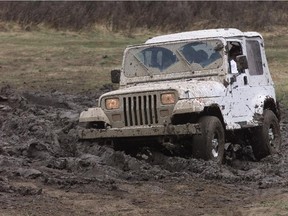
{"x":140,"y":131}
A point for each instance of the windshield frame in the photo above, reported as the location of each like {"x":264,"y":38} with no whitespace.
{"x":188,"y":71}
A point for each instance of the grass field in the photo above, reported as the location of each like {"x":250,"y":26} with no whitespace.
{"x":277,"y":54}
{"x":81,"y":61}
{"x":61,"y":60}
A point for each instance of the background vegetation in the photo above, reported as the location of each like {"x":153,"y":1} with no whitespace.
{"x":72,"y":46}
{"x":126,"y":16}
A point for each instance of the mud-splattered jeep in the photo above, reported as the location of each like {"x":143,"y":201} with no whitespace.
{"x":203,"y":88}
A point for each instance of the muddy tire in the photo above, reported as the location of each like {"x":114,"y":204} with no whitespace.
{"x":267,"y":138}
{"x":210,"y":144}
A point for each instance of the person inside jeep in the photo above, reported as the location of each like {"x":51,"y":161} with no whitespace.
{"x":233,"y":53}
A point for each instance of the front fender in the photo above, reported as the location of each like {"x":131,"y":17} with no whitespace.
{"x":94,"y":115}
{"x":188,"y":106}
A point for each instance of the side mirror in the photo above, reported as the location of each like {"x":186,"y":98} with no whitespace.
{"x":115,"y":76}
{"x":242,"y":62}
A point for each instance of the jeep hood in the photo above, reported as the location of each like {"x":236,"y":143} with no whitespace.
{"x":185,"y":89}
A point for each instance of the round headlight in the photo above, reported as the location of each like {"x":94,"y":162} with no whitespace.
{"x":112,"y":103}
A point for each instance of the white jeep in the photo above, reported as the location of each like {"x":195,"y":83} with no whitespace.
{"x":182,"y":88}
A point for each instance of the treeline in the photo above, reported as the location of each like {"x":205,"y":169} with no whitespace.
{"x":127,"y":16}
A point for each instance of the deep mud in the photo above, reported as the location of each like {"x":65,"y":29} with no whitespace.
{"x":46,"y":170}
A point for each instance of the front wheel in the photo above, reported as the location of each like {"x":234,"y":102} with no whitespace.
{"x":209,"y":145}
{"x":267,"y":138}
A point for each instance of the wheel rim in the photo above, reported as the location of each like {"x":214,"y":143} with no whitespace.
{"x":215,"y":145}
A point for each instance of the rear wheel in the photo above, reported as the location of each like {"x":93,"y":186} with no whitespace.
{"x":267,"y":138}
{"x":209,"y":145}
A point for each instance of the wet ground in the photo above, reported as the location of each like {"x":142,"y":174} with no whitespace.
{"x":46,"y":170}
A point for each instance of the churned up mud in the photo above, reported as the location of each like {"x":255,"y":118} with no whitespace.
{"x":46,"y":170}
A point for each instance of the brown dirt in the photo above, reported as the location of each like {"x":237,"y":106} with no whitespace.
{"x":46,"y":170}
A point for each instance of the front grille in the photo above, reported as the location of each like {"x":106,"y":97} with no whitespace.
{"x":140,"y":110}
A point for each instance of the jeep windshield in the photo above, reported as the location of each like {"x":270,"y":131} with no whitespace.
{"x":148,"y":60}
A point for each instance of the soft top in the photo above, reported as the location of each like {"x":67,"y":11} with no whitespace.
{"x":208,"y":33}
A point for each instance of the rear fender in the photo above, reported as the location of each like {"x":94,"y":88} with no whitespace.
{"x":264,"y":103}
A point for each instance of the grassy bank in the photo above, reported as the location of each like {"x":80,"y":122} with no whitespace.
{"x":69,"y":61}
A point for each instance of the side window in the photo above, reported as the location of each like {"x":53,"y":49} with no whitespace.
{"x":254,"y":57}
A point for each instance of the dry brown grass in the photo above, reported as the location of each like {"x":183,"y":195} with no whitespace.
{"x":48,"y":59}
{"x":276,"y":43}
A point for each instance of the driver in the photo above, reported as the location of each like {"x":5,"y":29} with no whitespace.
{"x":233,"y":53}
